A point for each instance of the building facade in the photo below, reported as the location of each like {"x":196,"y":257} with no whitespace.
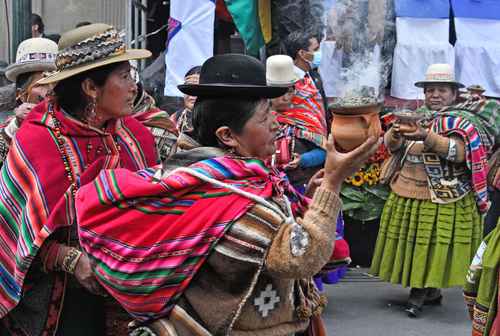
{"x":62,"y":15}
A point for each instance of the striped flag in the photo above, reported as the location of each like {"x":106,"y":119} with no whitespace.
{"x":253,"y":21}
{"x":190,"y":40}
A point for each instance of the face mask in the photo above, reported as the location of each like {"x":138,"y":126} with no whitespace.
{"x":316,"y":59}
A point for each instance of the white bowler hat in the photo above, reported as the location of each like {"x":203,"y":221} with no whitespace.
{"x":280,"y":71}
{"x":33,"y":55}
{"x":439,"y":74}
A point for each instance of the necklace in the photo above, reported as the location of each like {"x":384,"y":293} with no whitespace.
{"x":64,"y":155}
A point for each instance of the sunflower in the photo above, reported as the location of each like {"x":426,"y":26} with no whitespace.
{"x":357,"y":179}
{"x":371,"y":179}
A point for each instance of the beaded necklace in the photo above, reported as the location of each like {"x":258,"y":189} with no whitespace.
{"x":64,"y":154}
{"x":62,"y":151}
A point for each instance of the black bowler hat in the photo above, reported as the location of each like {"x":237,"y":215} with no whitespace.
{"x":232,"y":75}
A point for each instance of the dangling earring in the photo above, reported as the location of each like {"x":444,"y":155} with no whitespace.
{"x":90,"y":114}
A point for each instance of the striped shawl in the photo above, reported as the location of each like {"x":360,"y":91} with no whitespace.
{"x":149,"y":237}
{"x":462,"y":123}
{"x":306,"y":117}
{"x":35,"y":200}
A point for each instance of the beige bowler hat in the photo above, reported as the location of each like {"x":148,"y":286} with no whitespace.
{"x":280,"y":71}
{"x":439,"y":74}
{"x":33,"y":55}
{"x":90,"y":47}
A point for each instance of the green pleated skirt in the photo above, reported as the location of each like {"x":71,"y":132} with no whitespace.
{"x":421,"y":244}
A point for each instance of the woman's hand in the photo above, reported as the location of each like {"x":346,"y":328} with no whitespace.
{"x":85,"y":276}
{"x":314,"y":183}
{"x":396,"y":129}
{"x":339,"y":166}
{"x":294,"y":164}
{"x":22,"y":111}
{"x":419,"y":134}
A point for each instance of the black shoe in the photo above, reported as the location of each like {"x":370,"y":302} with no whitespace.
{"x":437,"y":301}
{"x":412,"y":310}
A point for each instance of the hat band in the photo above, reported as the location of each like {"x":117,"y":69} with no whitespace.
{"x":37,"y":57}
{"x":109,"y":43}
{"x":440,"y":77}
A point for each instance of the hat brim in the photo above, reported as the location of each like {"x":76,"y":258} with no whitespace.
{"x":129,"y":54}
{"x":225,"y":90}
{"x":421,"y":84}
{"x":16,"y":69}
{"x":283,"y":84}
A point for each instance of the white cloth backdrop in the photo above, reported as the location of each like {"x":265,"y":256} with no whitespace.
{"x":330,"y":68}
{"x":192,"y":44}
{"x":420,"y":42}
{"x":478,"y":53}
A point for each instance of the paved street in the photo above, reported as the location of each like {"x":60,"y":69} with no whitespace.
{"x":360,"y":305}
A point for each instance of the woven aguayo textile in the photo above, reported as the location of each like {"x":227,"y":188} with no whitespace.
{"x":470,"y":122}
{"x":476,"y":151}
{"x":149,"y":237}
{"x":35,"y":196}
{"x":481,"y":287}
{"x":158,"y":122}
{"x":306,"y":116}
{"x":422,"y":244}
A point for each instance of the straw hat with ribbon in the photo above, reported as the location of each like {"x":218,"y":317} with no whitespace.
{"x":90,"y":47}
{"x":439,"y":74}
{"x":33,"y":55}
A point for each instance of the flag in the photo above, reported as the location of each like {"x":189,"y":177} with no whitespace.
{"x":190,"y":40}
{"x":253,"y":21}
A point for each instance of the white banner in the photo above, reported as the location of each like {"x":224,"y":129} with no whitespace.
{"x":190,"y":40}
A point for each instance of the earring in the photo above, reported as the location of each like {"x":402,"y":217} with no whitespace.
{"x":90,"y":114}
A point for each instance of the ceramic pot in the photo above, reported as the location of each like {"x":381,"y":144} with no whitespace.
{"x":351,"y":130}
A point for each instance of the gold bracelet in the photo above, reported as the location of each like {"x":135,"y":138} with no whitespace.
{"x":71,"y":260}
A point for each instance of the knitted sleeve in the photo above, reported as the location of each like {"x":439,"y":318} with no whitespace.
{"x":449,"y":148}
{"x":301,"y":249}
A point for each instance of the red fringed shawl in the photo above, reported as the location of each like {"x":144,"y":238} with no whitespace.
{"x":306,"y":116}
{"x":35,"y":200}
{"x":149,"y":237}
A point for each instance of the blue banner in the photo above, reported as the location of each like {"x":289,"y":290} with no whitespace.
{"x":432,"y":9}
{"x":479,"y":9}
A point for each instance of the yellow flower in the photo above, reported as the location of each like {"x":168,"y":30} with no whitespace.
{"x":357,"y":179}
{"x":348,"y":180}
{"x":371,"y":178}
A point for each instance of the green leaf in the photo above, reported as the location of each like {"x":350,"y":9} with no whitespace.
{"x":346,"y":205}
{"x":351,"y":192}
{"x":379,"y":190}
{"x":371,"y":209}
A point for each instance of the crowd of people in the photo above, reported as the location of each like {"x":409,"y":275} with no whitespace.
{"x":224,"y":217}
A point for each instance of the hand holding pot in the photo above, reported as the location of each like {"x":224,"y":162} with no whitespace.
{"x":416,"y":133}
{"x":339,"y":166}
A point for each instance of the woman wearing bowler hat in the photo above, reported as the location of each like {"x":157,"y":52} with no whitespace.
{"x":229,"y":247}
